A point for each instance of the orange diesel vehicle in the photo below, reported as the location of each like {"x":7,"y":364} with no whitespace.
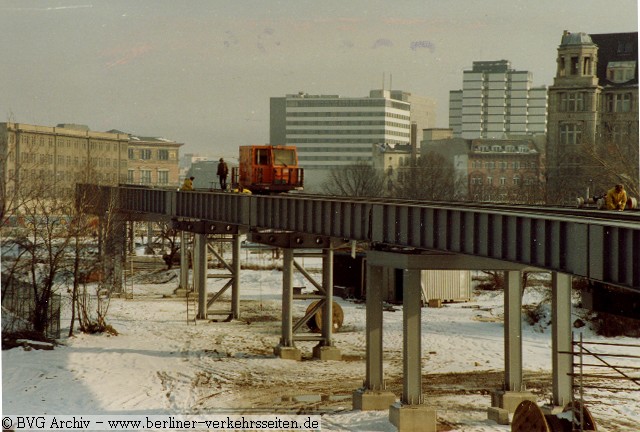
{"x":265,"y":169}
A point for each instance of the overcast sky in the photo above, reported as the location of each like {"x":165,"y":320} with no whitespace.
{"x":201,"y":72}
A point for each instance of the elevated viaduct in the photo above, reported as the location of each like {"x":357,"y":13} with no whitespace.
{"x":412,"y":236}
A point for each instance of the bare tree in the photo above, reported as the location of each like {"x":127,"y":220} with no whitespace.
{"x":358,"y":180}
{"x":615,"y":160}
{"x":432,"y":177}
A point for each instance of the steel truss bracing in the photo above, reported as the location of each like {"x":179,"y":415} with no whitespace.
{"x":413,"y":236}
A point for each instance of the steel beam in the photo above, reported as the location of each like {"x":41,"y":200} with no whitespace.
{"x":412,"y":338}
{"x":200,"y":273}
{"x":561,"y":342}
{"x":374,"y":378}
{"x":513,"y":331}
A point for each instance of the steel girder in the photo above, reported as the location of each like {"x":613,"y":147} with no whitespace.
{"x":607,"y":251}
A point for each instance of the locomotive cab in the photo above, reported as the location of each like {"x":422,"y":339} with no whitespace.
{"x":265,"y":169}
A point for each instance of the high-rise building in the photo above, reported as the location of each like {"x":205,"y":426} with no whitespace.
{"x":331,"y":131}
{"x":496,"y":101}
{"x":593,"y":115}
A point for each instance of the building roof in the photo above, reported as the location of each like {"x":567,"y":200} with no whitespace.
{"x":580,"y":38}
{"x":616,"y":49}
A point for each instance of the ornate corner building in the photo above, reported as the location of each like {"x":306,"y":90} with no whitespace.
{"x":592,"y":131}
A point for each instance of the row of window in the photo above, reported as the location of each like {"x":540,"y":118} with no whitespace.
{"x":347,"y":123}
{"x":501,"y":149}
{"x":332,"y":158}
{"x":378,"y":132}
{"x":348,"y":114}
{"x":48,"y":159}
{"x":297,"y":141}
{"x":502,"y":181}
{"x":75,"y":143}
{"x":144,"y":177}
{"x":307,"y":103}
{"x":503,"y":165}
{"x":146,"y":154}
{"x":579,"y":102}
{"x":362,"y":149}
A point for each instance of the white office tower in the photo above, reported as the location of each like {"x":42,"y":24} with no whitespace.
{"x":496,"y":101}
{"x":332,"y":131}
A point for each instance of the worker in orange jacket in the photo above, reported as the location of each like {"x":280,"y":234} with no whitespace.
{"x":616,"y":198}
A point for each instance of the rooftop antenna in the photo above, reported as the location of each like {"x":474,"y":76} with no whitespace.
{"x":390,"y":79}
{"x":382,"y":80}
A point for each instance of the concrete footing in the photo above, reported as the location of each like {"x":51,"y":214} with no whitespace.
{"x":372,"y":400}
{"x":498,"y":415}
{"x":288,"y":353}
{"x":509,"y":400}
{"x":413,"y":417}
{"x":326,"y":353}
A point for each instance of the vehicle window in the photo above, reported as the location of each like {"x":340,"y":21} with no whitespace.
{"x":284,"y":157}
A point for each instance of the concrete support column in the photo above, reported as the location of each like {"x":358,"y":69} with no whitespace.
{"x":200,"y":273}
{"x":513,"y":331}
{"x":372,"y":396}
{"x":235,"y":283}
{"x":286,"y":349}
{"x":412,"y":338}
{"x":325,"y":349}
{"x":184,"y":262}
{"x":410,"y":414}
{"x":505,"y":401}
{"x":327,"y":284}
{"x":561,"y":338}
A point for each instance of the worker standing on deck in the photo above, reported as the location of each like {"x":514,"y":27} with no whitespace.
{"x":223,"y":171}
{"x":616,"y":198}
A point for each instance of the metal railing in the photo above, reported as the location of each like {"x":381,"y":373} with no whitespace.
{"x":597,"y":366}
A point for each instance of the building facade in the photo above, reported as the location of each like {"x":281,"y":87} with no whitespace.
{"x":506,"y":170}
{"x":331,"y":131}
{"x":59,"y":156}
{"x":593,"y":115}
{"x":153,"y":161}
{"x":495,"y":101}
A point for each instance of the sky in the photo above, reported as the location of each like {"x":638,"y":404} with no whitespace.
{"x":159,"y":364}
{"x":201,"y":72}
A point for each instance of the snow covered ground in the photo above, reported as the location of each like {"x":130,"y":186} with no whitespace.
{"x":161,"y":363}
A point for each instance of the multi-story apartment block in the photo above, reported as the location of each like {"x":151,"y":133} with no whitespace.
{"x":492,"y":169}
{"x":331,"y":131}
{"x":495,"y":101}
{"x":59,"y":157}
{"x":593,"y":115}
{"x":507,"y":170}
{"x":153,"y":161}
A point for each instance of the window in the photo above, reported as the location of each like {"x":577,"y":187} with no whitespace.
{"x":145,"y":154}
{"x":132,"y":154}
{"x":163,"y":154}
{"x":621,"y":71}
{"x":572,"y":101}
{"x":145,"y":176}
{"x":516,"y":181}
{"x":503,"y":181}
{"x":489,"y":181}
{"x":618,"y":102}
{"x":163,"y":177}
{"x":130,"y":176}
{"x":570,"y":133}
